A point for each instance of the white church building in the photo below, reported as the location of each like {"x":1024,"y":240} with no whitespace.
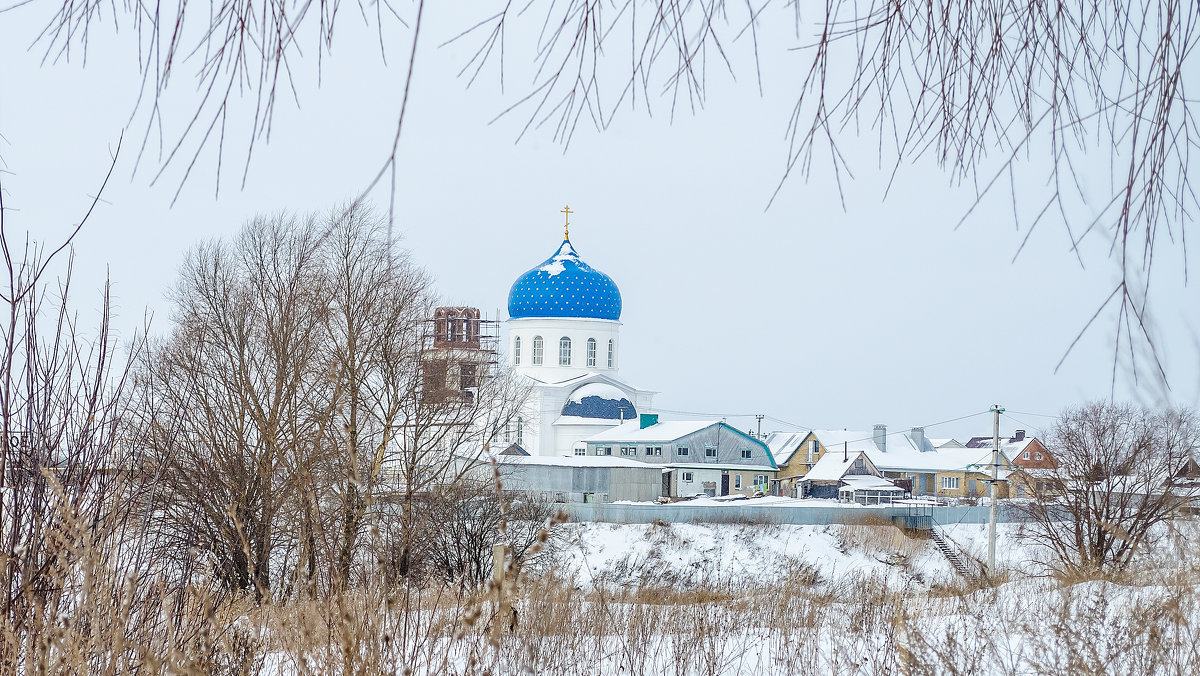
{"x":564,"y":335}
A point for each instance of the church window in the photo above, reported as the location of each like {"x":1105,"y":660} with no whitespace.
{"x":537,"y":350}
{"x":612,"y":354}
{"x":520,"y":433}
{"x":682,"y":451}
{"x":564,"y":351}
{"x":508,"y":432}
{"x":517,"y":351}
{"x":591,"y":352}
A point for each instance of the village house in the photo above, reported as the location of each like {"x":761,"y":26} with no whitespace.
{"x":577,"y":479}
{"x":795,"y":453}
{"x":849,"y":477}
{"x":697,"y":457}
{"x":950,"y":471}
{"x":1035,"y":469}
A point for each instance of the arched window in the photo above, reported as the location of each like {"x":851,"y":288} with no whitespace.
{"x":517,"y":351}
{"x":612,"y":354}
{"x":564,"y":351}
{"x":520,"y":433}
{"x":591,"y":352}
{"x":537,"y":350}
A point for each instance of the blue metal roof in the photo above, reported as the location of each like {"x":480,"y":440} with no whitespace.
{"x":564,"y":286}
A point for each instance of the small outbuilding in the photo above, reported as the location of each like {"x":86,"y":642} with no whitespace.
{"x":848,"y":476}
{"x":581,"y":478}
{"x":869,"y":490}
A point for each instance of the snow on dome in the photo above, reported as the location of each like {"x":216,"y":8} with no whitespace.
{"x":599,"y":400}
{"x":564,"y":286}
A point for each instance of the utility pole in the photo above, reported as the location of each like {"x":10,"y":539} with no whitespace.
{"x":759,"y":418}
{"x":996,"y":411}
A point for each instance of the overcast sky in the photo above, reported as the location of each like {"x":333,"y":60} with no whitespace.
{"x":808,"y":312}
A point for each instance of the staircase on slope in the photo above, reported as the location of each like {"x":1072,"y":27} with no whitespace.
{"x":956,"y":559}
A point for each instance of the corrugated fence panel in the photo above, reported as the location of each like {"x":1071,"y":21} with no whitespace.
{"x":682,"y":513}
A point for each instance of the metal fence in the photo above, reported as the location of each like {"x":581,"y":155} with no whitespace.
{"x":807,"y":515}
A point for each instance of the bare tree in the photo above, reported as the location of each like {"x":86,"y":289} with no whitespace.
{"x":458,"y":526}
{"x":65,"y":521}
{"x":293,"y":395}
{"x":227,"y":395}
{"x":1116,"y":484}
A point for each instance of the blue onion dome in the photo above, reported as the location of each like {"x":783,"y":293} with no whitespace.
{"x":564,"y":286}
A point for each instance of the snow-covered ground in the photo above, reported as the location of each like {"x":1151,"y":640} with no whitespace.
{"x":722,"y":554}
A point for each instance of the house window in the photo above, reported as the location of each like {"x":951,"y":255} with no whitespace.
{"x":1037,"y":456}
{"x":564,"y":351}
{"x":629,"y":450}
{"x":949,"y":483}
{"x":682,"y":451}
{"x":710,"y":452}
{"x":537,"y":350}
{"x":517,"y":351}
{"x":813,"y":451}
{"x":737,"y":480}
{"x":687,"y":477}
{"x":746,"y":453}
{"x":612,"y":353}
{"x":591,"y":352}
{"x":654,"y":450}
{"x":581,"y":451}
{"x":858,"y":465}
{"x":760,"y":479}
{"x":607,"y":450}
{"x":1025,"y":455}
{"x":520,"y":433}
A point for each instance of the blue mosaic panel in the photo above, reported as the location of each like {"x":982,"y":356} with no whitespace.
{"x":599,"y":407}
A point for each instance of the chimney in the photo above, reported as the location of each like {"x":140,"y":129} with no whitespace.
{"x":917,"y":434}
{"x":1019,"y":436}
{"x":648,"y":419}
{"x":880,"y":437}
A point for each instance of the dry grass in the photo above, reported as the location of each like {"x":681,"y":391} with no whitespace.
{"x":794,"y":624}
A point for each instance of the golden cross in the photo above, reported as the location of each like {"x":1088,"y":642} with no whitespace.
{"x":567,"y":225}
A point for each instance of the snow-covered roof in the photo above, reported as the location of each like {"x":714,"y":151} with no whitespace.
{"x":576,"y":381}
{"x":832,"y":466}
{"x":902,"y":453}
{"x":784,"y":445}
{"x":720,"y":466}
{"x":572,"y":461}
{"x":868,"y":483}
{"x":660,"y":432}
